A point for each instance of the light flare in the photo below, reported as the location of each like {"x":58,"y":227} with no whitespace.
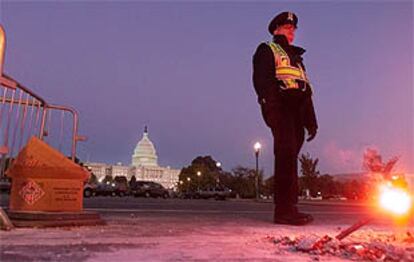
{"x":394,"y":199}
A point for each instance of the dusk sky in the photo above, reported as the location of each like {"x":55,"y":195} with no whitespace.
{"x":184,"y":69}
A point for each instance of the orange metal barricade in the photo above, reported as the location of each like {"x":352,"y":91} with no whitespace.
{"x":24,"y":114}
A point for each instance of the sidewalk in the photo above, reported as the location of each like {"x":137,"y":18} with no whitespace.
{"x":196,"y":237}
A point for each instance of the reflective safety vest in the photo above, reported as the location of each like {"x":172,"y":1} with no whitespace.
{"x":285,"y":71}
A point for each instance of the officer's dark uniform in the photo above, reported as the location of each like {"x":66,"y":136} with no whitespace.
{"x":285,"y":96}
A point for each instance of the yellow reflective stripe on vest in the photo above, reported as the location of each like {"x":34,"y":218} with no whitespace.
{"x":285,"y":71}
{"x":288,"y":71}
{"x":277,"y":49}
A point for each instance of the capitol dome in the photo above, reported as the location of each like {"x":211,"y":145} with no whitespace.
{"x":144,"y":153}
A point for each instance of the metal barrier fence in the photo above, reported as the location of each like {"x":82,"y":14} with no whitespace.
{"x":61,"y":133}
{"x":24,"y":114}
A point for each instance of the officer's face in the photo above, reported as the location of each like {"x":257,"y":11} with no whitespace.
{"x":287,"y":30}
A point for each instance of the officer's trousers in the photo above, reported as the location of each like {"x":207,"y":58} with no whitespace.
{"x":288,"y":138}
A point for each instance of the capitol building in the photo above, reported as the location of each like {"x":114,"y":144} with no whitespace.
{"x":144,"y":166}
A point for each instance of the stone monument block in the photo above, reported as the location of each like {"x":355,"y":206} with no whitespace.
{"x":43,"y":179}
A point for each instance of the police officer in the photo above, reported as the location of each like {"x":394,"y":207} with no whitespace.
{"x":285,"y":97}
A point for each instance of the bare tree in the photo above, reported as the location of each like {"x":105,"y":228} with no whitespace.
{"x":373,"y":163}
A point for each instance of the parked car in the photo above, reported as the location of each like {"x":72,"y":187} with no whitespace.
{"x":105,"y":189}
{"x":218,"y":193}
{"x":121,"y":186}
{"x":149,"y":189}
{"x":101,"y":189}
{"x":187,"y":194}
{"x":5,"y":185}
{"x":334,"y":197}
{"x":89,"y":190}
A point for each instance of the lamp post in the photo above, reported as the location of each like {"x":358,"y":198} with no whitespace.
{"x":218,"y":165}
{"x":198,"y":180}
{"x":257,"y":147}
{"x":188,"y":183}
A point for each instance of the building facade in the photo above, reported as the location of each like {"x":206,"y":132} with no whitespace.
{"x":144,"y":166}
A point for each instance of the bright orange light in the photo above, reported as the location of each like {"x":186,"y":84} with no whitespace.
{"x":395,"y":200}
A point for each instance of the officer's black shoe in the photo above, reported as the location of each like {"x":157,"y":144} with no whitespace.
{"x":296,"y":219}
{"x":306,"y":216}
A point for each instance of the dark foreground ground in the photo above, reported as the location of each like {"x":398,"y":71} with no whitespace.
{"x":140,"y":229}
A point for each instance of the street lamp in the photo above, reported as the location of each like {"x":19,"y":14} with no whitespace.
{"x":218,"y":165}
{"x":257,"y":147}
{"x":198,"y":180}
{"x":189,"y":184}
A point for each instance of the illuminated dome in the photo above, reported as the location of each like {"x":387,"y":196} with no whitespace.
{"x":144,"y":153}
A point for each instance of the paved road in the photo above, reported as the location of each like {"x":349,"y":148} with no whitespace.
{"x":140,"y":229}
{"x":202,"y":205}
{"x":323,"y":211}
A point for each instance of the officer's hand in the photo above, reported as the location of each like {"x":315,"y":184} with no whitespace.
{"x":311,"y":134}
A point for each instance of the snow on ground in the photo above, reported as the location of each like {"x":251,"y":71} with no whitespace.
{"x":203,"y":238}
{"x":366,"y":245}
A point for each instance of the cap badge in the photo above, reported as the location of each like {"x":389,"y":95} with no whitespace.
{"x":290,"y":16}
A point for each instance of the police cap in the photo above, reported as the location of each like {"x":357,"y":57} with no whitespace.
{"x":283,"y":19}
